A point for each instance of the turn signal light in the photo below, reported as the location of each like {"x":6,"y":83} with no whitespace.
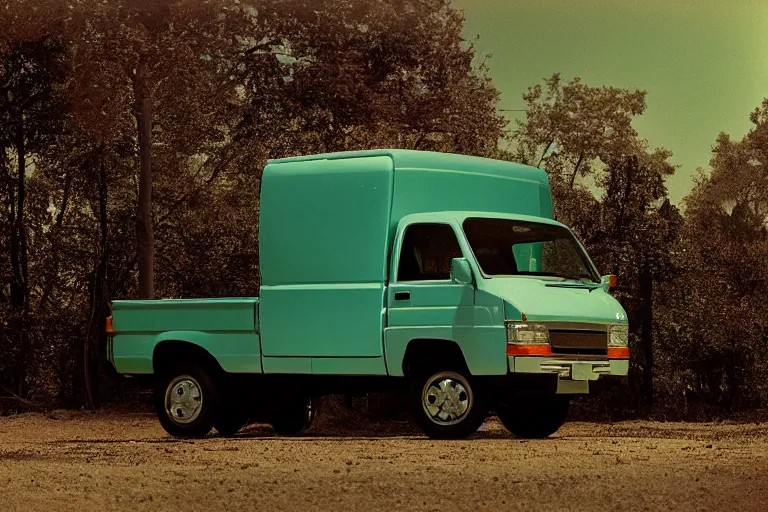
{"x":110,"y":329}
{"x":618,"y":352}
{"x":529,"y":350}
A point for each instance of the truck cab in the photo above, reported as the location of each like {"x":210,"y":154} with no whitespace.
{"x":441,"y":276}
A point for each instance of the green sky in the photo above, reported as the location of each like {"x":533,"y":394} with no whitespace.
{"x":704,"y":63}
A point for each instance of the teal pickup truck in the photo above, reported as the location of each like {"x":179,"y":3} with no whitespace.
{"x":436,"y":275}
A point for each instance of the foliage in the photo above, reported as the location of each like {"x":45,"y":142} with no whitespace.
{"x":366,"y":74}
{"x":574,"y":128}
{"x":133,"y":134}
{"x":715,"y":328}
{"x":196,"y":95}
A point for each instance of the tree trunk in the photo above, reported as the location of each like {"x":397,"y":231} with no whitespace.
{"x":544,"y":154}
{"x":646,"y":336}
{"x":56,"y":256}
{"x":92,"y":353}
{"x":631,"y":167}
{"x":144,"y":233}
{"x":576,"y":170}
{"x":8,"y":199}
{"x":18,"y":250}
{"x":98,"y":339}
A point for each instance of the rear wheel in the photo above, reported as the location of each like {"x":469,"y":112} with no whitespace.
{"x":293,"y":415}
{"x":230,"y":422}
{"x":234,"y":412}
{"x":446,"y":404}
{"x":534,"y":418}
{"x":186,"y":400}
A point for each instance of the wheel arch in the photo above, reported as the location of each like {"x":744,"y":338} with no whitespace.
{"x":482,"y":349}
{"x":169,"y":351}
{"x":424,"y":349}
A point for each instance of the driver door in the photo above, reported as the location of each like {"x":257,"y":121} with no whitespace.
{"x":423,"y":301}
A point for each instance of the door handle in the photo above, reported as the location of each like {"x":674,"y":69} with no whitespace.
{"x":402,"y":295}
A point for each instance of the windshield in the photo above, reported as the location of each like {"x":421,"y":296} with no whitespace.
{"x":512,"y":247}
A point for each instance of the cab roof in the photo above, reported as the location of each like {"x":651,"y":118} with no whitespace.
{"x":413,"y":159}
{"x":461,"y":216}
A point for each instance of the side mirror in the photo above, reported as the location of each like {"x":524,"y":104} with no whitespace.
{"x":609,"y":282}
{"x":461,"y":272}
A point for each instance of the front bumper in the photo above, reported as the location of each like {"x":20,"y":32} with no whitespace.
{"x":573,"y":375}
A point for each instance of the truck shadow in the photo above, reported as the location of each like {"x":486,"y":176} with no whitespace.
{"x":265,"y":433}
{"x":367,"y":432}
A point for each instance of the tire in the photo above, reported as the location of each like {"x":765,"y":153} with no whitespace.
{"x":230,"y":422}
{"x":192,"y":413}
{"x":233,"y":413}
{"x":466,"y":409}
{"x":293,"y":415}
{"x":534,"y":418}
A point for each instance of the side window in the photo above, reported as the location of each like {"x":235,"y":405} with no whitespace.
{"x":426,"y":253}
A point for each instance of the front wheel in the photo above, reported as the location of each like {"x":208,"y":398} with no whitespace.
{"x":534,"y":418}
{"x":185,"y":400}
{"x":446,"y":405}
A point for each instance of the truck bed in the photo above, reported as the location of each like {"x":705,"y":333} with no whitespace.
{"x":226,"y":327}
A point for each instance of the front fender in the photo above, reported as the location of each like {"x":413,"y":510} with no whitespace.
{"x":484,"y":347}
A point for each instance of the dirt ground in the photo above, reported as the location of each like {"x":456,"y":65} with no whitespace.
{"x":122,"y":461}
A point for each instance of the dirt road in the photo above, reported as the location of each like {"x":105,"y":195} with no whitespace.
{"x":82,"y":462}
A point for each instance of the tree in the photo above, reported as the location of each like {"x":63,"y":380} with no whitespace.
{"x":162,"y":57}
{"x":227,"y":85}
{"x":635,"y":236}
{"x":720,"y":330}
{"x":31,"y":103}
{"x":739,"y":170}
{"x":573,"y":127}
{"x":367,"y":74}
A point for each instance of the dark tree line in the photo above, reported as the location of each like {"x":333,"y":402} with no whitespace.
{"x":692,"y":280}
{"x":133,"y":132}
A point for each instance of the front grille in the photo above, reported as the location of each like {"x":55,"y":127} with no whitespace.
{"x":579,"y":342}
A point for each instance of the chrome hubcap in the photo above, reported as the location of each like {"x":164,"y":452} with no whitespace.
{"x":446,"y":398}
{"x":310,"y":411}
{"x":183,"y":399}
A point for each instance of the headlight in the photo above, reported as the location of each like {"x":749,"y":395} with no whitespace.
{"x":527,"y":334}
{"x":618,"y":336}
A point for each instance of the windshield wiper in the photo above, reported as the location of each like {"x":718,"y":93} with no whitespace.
{"x":579,"y":277}
{"x":591,"y":285}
